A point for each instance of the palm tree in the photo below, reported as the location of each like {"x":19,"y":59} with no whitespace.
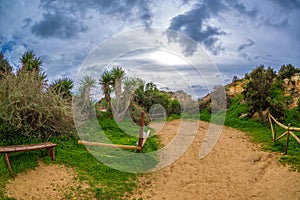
{"x":118,"y":75}
{"x":106,"y":81}
{"x":130,"y":87}
{"x":31,"y":62}
{"x":63,"y":86}
{"x":86,"y":85}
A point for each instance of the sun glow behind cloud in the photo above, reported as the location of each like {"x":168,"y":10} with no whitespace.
{"x":166,"y":58}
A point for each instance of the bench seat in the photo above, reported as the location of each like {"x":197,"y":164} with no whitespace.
{"x":6,"y":150}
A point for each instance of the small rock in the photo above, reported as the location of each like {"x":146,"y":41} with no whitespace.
{"x":254,"y":158}
{"x":243,"y":115}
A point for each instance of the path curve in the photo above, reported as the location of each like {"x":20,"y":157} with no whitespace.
{"x":235,"y":169}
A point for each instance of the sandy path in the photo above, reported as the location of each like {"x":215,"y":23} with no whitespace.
{"x":235,"y":169}
{"x":49,"y":182}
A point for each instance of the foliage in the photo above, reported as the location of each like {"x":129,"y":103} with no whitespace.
{"x":30,"y":110}
{"x":133,"y":94}
{"x":62,"y":86}
{"x":5,"y":67}
{"x":277,"y":101}
{"x":106,"y":81}
{"x":235,"y":78}
{"x":32,"y":63}
{"x":149,"y":95}
{"x":286,"y":71}
{"x":86,"y":86}
{"x":135,"y":114}
{"x":258,"y":89}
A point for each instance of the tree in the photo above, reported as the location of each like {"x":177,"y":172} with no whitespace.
{"x":5,"y":67}
{"x":85,"y":90}
{"x":32,"y":63}
{"x":106,"y":81}
{"x":62,"y":86}
{"x":130,"y":87}
{"x":235,"y":78}
{"x":118,"y":75}
{"x":286,"y":71}
{"x":258,"y":89}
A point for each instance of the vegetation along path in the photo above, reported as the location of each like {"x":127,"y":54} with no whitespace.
{"x":235,"y":169}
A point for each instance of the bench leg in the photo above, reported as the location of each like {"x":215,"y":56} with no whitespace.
{"x":6,"y":155}
{"x":51,"y":152}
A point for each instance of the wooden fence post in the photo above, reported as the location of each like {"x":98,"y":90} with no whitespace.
{"x":287,"y":139}
{"x":272,"y":129}
{"x":141,"y":137}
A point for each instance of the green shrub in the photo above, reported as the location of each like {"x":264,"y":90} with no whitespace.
{"x":28,"y":109}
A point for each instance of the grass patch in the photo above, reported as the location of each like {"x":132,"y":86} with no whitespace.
{"x":105,"y":182}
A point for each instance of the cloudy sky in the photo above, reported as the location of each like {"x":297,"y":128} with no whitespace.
{"x":237,"y":35}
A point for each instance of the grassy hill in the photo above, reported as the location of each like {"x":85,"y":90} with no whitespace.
{"x":282,"y":102}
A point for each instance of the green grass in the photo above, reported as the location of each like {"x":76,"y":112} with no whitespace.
{"x":261,"y":132}
{"x":105,"y":182}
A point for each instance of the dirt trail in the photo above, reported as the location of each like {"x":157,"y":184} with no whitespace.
{"x":46,"y":182}
{"x":235,"y":169}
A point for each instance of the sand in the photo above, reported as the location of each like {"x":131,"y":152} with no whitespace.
{"x":50,"y":182}
{"x":235,"y":169}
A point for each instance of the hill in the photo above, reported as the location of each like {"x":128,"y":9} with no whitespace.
{"x":284,"y":91}
{"x":252,"y":98}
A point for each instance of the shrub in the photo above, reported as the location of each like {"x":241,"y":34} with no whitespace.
{"x":31,"y":110}
{"x":286,"y":71}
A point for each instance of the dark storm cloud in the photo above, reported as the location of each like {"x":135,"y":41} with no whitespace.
{"x":194,"y":23}
{"x":59,"y":25}
{"x":244,"y":46}
{"x":64,"y":19}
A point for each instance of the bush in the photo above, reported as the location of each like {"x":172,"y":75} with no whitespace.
{"x":30,"y":110}
{"x":286,"y":71}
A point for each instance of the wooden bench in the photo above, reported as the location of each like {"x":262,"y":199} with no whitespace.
{"x":27,"y":147}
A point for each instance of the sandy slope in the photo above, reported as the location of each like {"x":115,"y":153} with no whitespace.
{"x":235,"y":169}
